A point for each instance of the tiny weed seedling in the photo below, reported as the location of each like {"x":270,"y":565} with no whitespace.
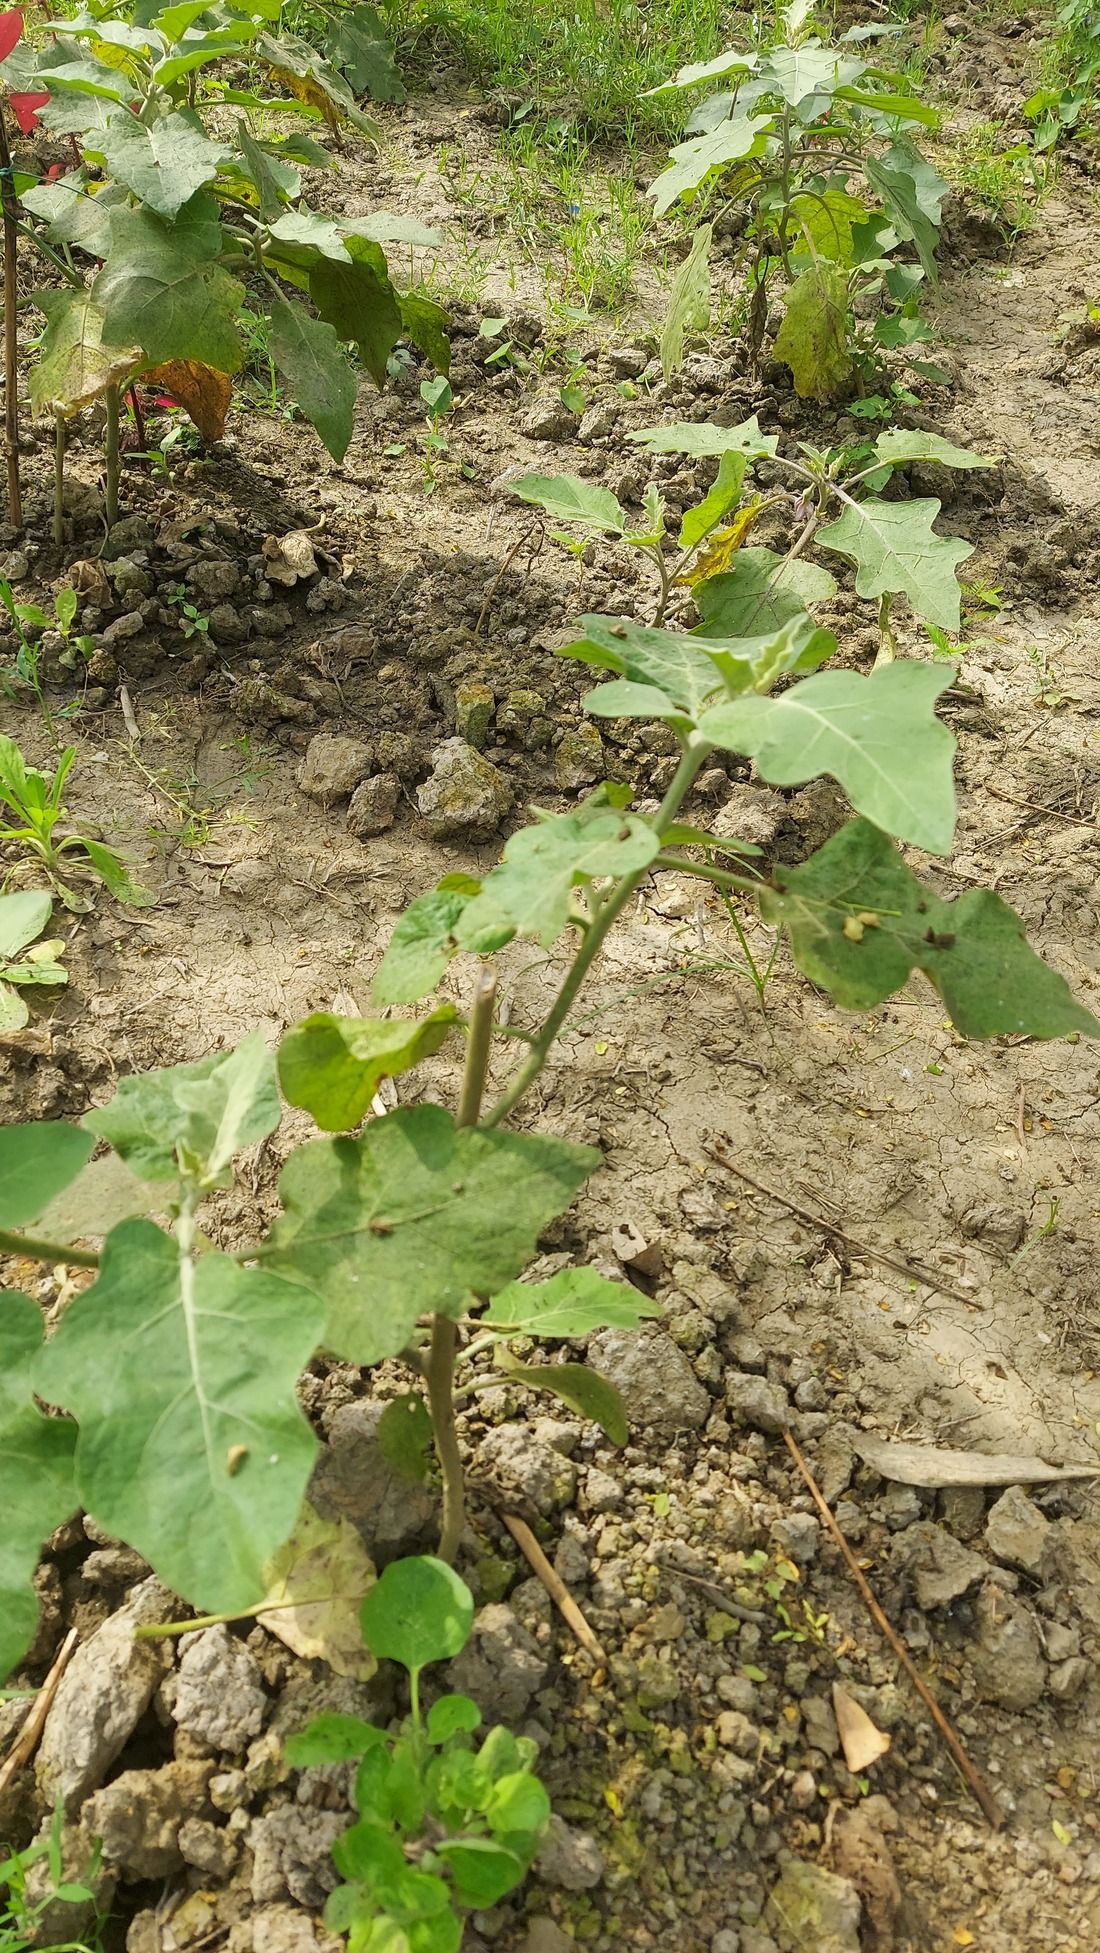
{"x":449,"y":1821}
{"x":439,"y":402}
{"x":21,"y":1915}
{"x":193,"y":621}
{"x":32,"y":823}
{"x":25,"y":963}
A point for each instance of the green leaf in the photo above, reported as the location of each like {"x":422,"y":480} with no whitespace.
{"x":530,"y":892}
{"x":901,"y":108}
{"x":391,"y":227}
{"x":732,"y":62}
{"x":180,"y":1372}
{"x":688,"y":670}
{"x":878,"y":736}
{"x":115,"y":875}
{"x":316,"y":233}
{"x":405,"y":1436}
{"x":308,"y":355}
{"x":415,"y":1215}
{"x":418,"y":1611}
{"x":23,"y":916}
{"x":424,"y":323}
{"x":331,"y":1066}
{"x":359,"y":44}
{"x":331,"y":1738}
{"x":420,"y":948}
{"x":518,"y":1804}
{"x":760,"y":593}
{"x":36,"y":1470}
{"x":264,"y":173}
{"x":739,"y":137}
{"x":859,"y":922}
{"x":165,"y":164}
{"x":74,"y":366}
{"x":704,"y":438}
{"x":929,"y":188}
{"x":725,"y":494}
{"x":688,"y":302}
{"x":899,"y":444}
{"x":574,"y":1302}
{"x":903,"y":207}
{"x":73,"y":217}
{"x":581,"y":1389}
{"x":798,"y":73}
{"x":813,"y":338}
{"x":37,"y":1162}
{"x":357,"y":300}
{"x":483,"y":1871}
{"x":826,"y":218}
{"x":895,"y":549}
{"x":162,"y":289}
{"x":452,"y":1715}
{"x":569,"y":499}
{"x":206,"y":1112}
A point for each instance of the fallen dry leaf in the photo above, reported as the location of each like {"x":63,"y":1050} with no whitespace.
{"x":861,"y":1742}
{"x":934,"y":1467}
{"x":290,"y":558}
{"x":202,"y":392}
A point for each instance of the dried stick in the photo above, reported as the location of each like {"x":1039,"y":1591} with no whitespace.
{"x":26,"y":1742}
{"x":974,"y":1782}
{"x":914,"y":1271}
{"x":554,"y":1584}
{"x":11,"y":317}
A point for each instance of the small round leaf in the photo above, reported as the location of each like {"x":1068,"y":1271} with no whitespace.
{"x":419,"y":1611}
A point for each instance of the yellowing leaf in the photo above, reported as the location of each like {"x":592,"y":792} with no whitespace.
{"x":202,"y":392}
{"x":316,"y":1584}
{"x":962,"y":1936}
{"x":1063,"y":1836}
{"x":812,"y":339}
{"x":827,"y":222}
{"x":309,"y":92}
{"x":724,"y":544}
{"x":861,"y":1742}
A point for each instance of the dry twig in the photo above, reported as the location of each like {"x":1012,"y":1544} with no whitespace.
{"x":554,"y":1584}
{"x":27,"y":1740}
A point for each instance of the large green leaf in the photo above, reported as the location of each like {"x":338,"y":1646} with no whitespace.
{"x":180,"y":1371}
{"x":163,"y":164}
{"x":723,"y":496}
{"x":895,"y":550}
{"x":412,"y":1217}
{"x":692,"y":162}
{"x":37,"y":1162}
{"x":202,"y":1113}
{"x":425,"y":324}
{"x":859,"y":922}
{"x":826,"y":218}
{"x":761,"y":592}
{"x":929,"y":187}
{"x":73,"y":217}
{"x":359,"y":44}
{"x":569,"y":499}
{"x":808,"y":70}
{"x":686,"y":670}
{"x":162,"y":289}
{"x":900,"y":444}
{"x":574,"y":1302}
{"x":309,"y":356}
{"x":688,"y":307}
{"x":530,"y":892}
{"x":902,"y":203}
{"x":731,"y":62}
{"x":813,"y":338}
{"x":420,"y":948}
{"x":704,"y":437}
{"x":74,"y":366}
{"x":878,"y":736}
{"x":309,"y":229}
{"x":332,"y":1066}
{"x":37,"y":1483}
{"x":357,"y":300}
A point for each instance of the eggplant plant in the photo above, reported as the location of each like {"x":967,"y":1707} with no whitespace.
{"x":808,"y":147}
{"x":182,"y":201}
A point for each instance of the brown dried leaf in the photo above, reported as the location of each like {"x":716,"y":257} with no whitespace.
{"x":203,"y":392}
{"x":290,"y":558}
{"x":936,"y":1467}
{"x":316,"y":1584}
{"x":861,"y":1742}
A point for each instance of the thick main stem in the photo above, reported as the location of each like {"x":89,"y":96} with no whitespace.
{"x":440,"y":1367}
{"x":59,"y":481}
{"x":610,"y":908}
{"x":113,"y":462}
{"x":11,"y":312}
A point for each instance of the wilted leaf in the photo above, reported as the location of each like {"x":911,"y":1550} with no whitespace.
{"x":898,"y":444}
{"x":813,"y":338}
{"x":203,"y":393}
{"x":74,"y":366}
{"x":861,"y":1742}
{"x":289,"y":559}
{"x":724,"y":544}
{"x":316,"y":1584}
{"x":936,"y":1467}
{"x":688,"y":302}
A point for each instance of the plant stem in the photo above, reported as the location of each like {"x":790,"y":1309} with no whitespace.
{"x":53,"y":1251}
{"x":440,"y":1366}
{"x":11,"y":349}
{"x":59,"y":481}
{"x":708,"y":873}
{"x":695,"y":752}
{"x":113,"y":463}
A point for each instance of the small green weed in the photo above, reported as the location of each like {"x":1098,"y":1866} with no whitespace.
{"x":36,"y":812}
{"x":21,"y":1916}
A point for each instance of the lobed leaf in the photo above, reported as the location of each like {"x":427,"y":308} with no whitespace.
{"x":161,"y":287}
{"x":704,"y":438}
{"x":165,"y":163}
{"x":413,"y":1217}
{"x":691,"y":162}
{"x":530,"y":892}
{"x":896,"y":551}
{"x":859,"y":922}
{"x":686,"y":670}
{"x":761,"y":592}
{"x":206,"y":1112}
{"x":569,"y":499}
